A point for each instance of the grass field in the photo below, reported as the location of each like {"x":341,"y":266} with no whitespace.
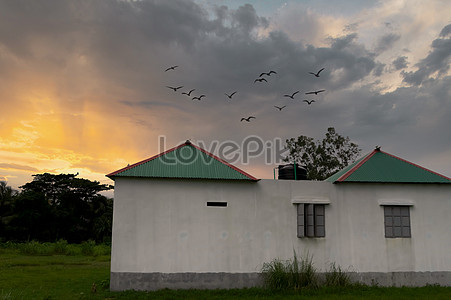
{"x":71,"y":275}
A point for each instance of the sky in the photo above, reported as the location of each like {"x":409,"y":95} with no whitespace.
{"x":83,"y":86}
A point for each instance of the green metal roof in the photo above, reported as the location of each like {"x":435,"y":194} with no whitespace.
{"x":184,"y":161}
{"x":379,"y":166}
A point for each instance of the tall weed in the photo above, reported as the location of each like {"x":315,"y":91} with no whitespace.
{"x":336,"y":276}
{"x":290,"y":274}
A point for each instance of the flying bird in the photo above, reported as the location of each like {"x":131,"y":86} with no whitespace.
{"x":292,"y":95}
{"x":309,"y":102}
{"x":315,"y":92}
{"x":260,"y":80}
{"x":317,"y":73}
{"x":268,"y":73}
{"x":231,"y":95}
{"x":248,"y":119}
{"x":280,"y":108}
{"x":189,"y":93}
{"x":198,"y":98}
{"x":171,"y":68}
{"x":174,"y":88}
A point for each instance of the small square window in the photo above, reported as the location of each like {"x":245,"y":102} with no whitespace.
{"x":397,"y":221}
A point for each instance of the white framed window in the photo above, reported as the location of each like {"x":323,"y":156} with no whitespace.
{"x":397,"y":221}
{"x":311,"y":220}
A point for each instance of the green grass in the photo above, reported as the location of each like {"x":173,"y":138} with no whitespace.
{"x":71,"y":276}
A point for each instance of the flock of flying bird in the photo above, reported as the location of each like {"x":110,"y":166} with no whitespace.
{"x":260,"y":79}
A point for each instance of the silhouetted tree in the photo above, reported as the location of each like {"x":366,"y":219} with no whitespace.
{"x":7,"y":195}
{"x":322,"y":158}
{"x":53,"y":207}
{"x":32,"y":218}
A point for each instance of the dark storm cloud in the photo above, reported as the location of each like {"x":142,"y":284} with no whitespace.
{"x":350,"y":60}
{"x":247,"y":19}
{"x":400,"y":63}
{"x":386,"y":42}
{"x":438,"y":60}
{"x":123,"y":41}
{"x":446,"y":31}
{"x":379,"y":69}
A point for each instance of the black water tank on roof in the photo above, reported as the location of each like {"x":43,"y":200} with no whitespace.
{"x":286,"y":172}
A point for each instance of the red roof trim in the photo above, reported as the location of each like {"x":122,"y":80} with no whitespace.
{"x":177,"y":147}
{"x":347,"y":174}
{"x":413,"y":164}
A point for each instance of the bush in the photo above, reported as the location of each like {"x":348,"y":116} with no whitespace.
{"x":87,"y":248}
{"x":35,"y":248}
{"x":60,"y":247}
{"x":102,"y":249}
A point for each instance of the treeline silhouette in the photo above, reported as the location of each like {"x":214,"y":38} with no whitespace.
{"x":56,"y":207}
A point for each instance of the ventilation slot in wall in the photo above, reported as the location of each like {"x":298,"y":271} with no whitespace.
{"x":216,"y":204}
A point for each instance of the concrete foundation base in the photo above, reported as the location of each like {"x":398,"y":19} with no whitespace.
{"x":402,"y":278}
{"x":121,"y":281}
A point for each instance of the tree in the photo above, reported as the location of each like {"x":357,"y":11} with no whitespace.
{"x":323,"y":158}
{"x":53,"y":207}
{"x":7,"y":195}
{"x":32,"y":218}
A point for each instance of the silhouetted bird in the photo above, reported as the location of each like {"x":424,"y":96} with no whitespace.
{"x":292,"y":95}
{"x":248,"y":119}
{"x":315,"y":92}
{"x":198,"y":98}
{"x":317,"y":73}
{"x":260,"y":80}
{"x":231,"y":95}
{"x":189,"y":93}
{"x":309,"y":102}
{"x":280,"y":108}
{"x":267,"y":73}
{"x":174,"y":88}
{"x":171,"y":68}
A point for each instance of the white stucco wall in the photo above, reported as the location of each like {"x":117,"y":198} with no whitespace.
{"x":165,"y":226}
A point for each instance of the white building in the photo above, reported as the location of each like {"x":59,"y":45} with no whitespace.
{"x":187,"y":219}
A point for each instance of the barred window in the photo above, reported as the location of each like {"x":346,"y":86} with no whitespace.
{"x":311,"y":220}
{"x":397,"y":221}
